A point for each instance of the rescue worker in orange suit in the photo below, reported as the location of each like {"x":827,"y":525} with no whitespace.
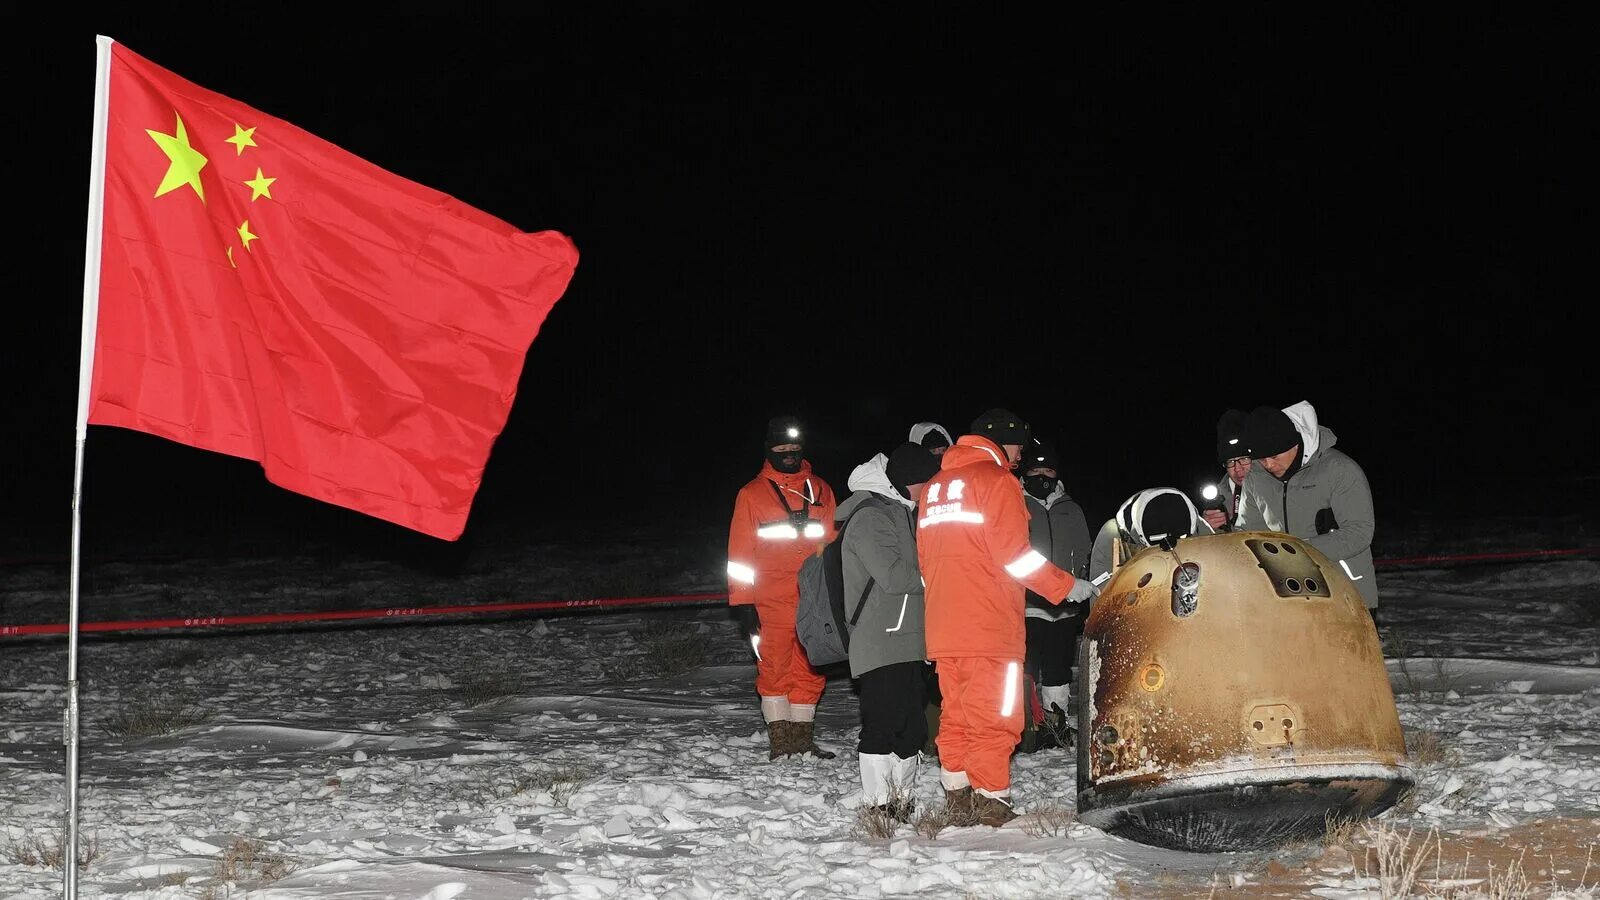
{"x":972,"y":543}
{"x":782,"y":516}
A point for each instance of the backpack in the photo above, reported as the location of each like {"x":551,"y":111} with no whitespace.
{"x":819,"y":618}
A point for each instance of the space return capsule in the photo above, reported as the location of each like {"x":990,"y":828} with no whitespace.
{"x":1233,"y":697}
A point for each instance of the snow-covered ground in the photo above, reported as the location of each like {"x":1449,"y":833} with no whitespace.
{"x":544,"y":758}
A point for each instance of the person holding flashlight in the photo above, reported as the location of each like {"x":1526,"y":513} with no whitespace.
{"x":1222,"y":503}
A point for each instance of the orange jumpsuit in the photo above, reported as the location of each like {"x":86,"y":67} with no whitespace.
{"x":972,"y":543}
{"x":767,"y":542}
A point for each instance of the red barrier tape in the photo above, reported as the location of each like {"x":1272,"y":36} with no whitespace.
{"x":393,"y":612}
{"x":615,"y":603}
{"x":1487,"y":557}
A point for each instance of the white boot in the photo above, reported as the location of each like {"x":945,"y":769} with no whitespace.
{"x":1057,"y":695}
{"x":887,"y":781}
{"x":903,"y":779}
{"x":876,"y":769}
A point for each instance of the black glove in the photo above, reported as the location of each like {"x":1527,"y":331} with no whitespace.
{"x":1326,"y":522}
{"x":748,"y":618}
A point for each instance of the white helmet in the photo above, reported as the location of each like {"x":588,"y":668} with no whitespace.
{"x":1158,"y":514}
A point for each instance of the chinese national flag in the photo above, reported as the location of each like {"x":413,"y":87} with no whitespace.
{"x":268,"y":295}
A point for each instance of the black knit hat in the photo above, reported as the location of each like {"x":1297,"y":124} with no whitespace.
{"x":1001,"y":426}
{"x":1230,"y":435}
{"x":910,"y":464}
{"x":1040,"y":454}
{"x":1270,"y":432}
{"x":784,"y":430}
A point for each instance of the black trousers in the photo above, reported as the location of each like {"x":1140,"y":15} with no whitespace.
{"x":1052,"y":648}
{"x":892,"y":717}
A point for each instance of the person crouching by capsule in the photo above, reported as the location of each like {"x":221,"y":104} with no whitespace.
{"x":1147,"y":519}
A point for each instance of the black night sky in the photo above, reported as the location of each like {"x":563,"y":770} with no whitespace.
{"x":1116,"y":229}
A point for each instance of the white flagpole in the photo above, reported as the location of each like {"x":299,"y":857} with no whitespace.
{"x":91,"y":318}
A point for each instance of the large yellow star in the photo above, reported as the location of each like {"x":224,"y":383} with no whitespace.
{"x":186,"y":161}
{"x":245,"y":236}
{"x":242,"y":137}
{"x":260,"y":186}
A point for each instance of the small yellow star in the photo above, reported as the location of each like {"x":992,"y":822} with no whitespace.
{"x":242,"y":138}
{"x":245,"y":236}
{"x":260,"y":186}
{"x":230,"y":258}
{"x":186,"y":161}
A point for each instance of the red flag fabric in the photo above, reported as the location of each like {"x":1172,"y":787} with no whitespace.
{"x":268,"y":295}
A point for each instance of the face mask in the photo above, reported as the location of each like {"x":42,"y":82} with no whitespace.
{"x":787,"y":462}
{"x":1041,"y":486}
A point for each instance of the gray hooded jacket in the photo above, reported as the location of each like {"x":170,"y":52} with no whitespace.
{"x":1326,"y":480}
{"x":881,"y":544}
{"x":1057,"y":528}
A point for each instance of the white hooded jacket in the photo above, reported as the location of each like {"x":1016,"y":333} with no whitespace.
{"x":923,"y":429}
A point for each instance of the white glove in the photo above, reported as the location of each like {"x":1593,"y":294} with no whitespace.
{"x":1083,"y":591}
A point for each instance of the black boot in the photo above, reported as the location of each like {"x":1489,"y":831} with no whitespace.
{"x":1060,"y":727}
{"x":959,"y":807}
{"x":992,"y":811}
{"x":801,"y":741}
{"x":780,"y":739}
